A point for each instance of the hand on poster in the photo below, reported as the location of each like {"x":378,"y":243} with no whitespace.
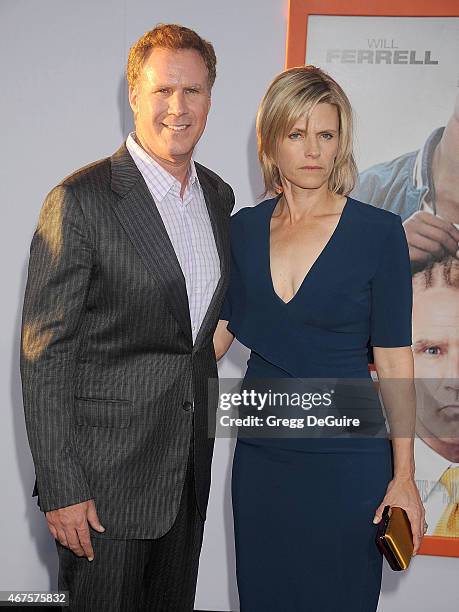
{"x":434,"y":236}
{"x":430,"y":237}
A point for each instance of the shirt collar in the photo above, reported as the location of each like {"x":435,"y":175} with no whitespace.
{"x":422,"y":169}
{"x":159,"y":180}
{"x":430,"y":466}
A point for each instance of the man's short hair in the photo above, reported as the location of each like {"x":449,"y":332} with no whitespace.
{"x":169,"y":36}
{"x":438,"y":273}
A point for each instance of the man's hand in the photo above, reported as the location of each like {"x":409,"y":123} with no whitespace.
{"x":69,"y":525}
{"x":444,"y":169}
{"x":430,"y":237}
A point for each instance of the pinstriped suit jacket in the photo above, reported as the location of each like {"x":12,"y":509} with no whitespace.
{"x":109,"y":371}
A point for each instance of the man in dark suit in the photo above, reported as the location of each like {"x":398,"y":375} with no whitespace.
{"x":128,"y":268}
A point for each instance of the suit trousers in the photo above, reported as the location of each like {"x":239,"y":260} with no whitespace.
{"x":139,"y":575}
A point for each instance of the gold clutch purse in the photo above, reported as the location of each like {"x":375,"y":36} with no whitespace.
{"x":394,"y":538}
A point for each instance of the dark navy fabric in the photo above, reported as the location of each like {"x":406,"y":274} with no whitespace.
{"x":303,"y":507}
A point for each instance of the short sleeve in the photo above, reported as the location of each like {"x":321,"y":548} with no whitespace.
{"x":392,"y":292}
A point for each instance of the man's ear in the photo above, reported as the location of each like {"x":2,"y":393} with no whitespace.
{"x":133,"y":96}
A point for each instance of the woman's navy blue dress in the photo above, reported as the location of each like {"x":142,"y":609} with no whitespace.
{"x":303,"y":507}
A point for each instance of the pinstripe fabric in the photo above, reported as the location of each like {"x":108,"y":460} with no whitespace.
{"x":108,"y":363}
{"x":188,"y":226}
{"x":139,"y":575}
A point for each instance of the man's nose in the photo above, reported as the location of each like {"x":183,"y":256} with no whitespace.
{"x":452,"y":373}
{"x":177,"y":103}
{"x":450,"y":379}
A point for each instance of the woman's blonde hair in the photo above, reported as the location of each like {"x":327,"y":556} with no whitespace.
{"x":293,"y":94}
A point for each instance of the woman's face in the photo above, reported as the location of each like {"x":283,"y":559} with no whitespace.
{"x":305,"y":158}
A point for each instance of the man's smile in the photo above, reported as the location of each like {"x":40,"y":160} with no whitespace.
{"x":176,"y":128}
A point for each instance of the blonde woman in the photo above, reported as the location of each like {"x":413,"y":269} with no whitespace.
{"x":317,"y":277}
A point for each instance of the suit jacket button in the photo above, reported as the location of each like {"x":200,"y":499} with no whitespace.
{"x":187,"y":406}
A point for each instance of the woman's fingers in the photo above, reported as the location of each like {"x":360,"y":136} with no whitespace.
{"x":403,"y":493}
{"x":379,"y":513}
{"x":417,"y":528}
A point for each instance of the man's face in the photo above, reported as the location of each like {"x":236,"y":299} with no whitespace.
{"x":306,"y":158}
{"x":436,"y":360}
{"x":170,"y":102}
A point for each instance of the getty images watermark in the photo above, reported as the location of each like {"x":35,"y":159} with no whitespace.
{"x":295,"y":408}
{"x":425,"y":408}
{"x":271,"y":400}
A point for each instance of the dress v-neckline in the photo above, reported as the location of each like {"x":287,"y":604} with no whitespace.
{"x":315,"y":263}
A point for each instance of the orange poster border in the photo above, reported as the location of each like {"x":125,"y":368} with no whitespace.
{"x":297,"y":28}
{"x":299,"y":11}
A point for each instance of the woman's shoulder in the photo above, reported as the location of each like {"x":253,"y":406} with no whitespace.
{"x":251,"y":214}
{"x":371,"y":215}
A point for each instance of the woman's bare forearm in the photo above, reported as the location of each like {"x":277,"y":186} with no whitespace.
{"x":395,"y":375}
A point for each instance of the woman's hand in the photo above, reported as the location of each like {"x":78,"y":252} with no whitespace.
{"x":403,"y":493}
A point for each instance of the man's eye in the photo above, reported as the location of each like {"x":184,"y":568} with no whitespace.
{"x":327,"y":135}
{"x":191,"y":90}
{"x":164,"y":90}
{"x":432,"y":350}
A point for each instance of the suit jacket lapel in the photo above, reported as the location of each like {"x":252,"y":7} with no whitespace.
{"x":142,"y":222}
{"x":218,"y":218}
